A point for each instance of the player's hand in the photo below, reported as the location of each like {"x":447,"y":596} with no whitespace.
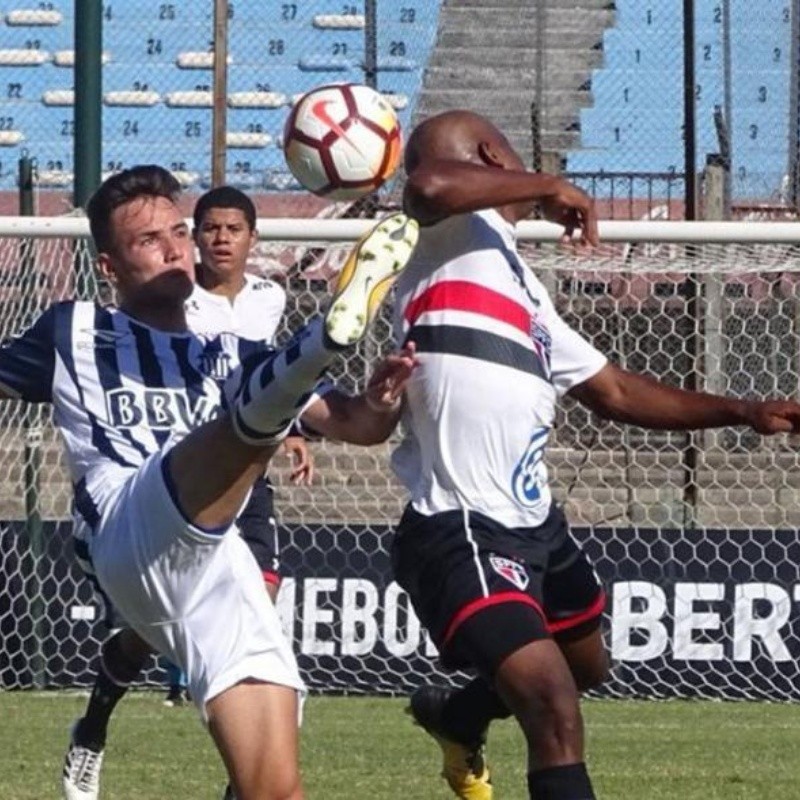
{"x":300,"y":460}
{"x":574,"y":209}
{"x":774,"y":416}
{"x":388,"y":381}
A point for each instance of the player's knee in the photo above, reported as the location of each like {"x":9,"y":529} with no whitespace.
{"x":550,"y":717}
{"x":536,"y":681}
{"x":282,"y":786}
{"x":593,"y":673}
{"x":125,"y":655}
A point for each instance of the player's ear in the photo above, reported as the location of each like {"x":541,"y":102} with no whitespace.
{"x":106,"y":268}
{"x":490,"y":155}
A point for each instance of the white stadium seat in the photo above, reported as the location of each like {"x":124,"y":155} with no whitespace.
{"x":347,"y":22}
{"x":245,"y":139}
{"x":189,"y":99}
{"x":11,"y":138}
{"x":34,"y":16}
{"x":131,"y":98}
{"x":197,"y":59}
{"x":59,"y":97}
{"x":22,"y":57}
{"x":256,"y":99}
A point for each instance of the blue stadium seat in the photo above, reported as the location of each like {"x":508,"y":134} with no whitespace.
{"x":268,"y":40}
{"x":636,"y":121}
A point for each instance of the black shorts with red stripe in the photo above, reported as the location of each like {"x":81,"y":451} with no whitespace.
{"x":483,"y":590}
{"x":259,"y":530}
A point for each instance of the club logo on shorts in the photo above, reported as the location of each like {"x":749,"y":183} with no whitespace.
{"x":511,"y":570}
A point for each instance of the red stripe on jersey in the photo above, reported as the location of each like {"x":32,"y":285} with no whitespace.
{"x":485,"y":602}
{"x":466,"y":296}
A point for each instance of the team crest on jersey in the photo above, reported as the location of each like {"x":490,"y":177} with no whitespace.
{"x":542,"y":344}
{"x":511,"y":570}
{"x":215,"y":362}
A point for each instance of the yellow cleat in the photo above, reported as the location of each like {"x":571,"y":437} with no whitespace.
{"x":367,"y":276}
{"x":463,"y":764}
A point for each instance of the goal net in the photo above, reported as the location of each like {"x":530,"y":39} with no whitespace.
{"x":694,"y":535}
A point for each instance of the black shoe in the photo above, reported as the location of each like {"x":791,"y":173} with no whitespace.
{"x":176,"y":696}
{"x":463,"y":761}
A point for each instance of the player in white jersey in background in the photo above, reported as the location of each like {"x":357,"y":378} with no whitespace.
{"x":482,"y":549}
{"x":162,"y":454}
{"x":225,"y":299}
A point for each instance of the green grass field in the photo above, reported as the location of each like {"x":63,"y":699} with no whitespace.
{"x":357,"y":748}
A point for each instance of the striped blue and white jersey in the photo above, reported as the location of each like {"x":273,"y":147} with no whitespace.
{"x":120,"y":389}
{"x":494,"y":358}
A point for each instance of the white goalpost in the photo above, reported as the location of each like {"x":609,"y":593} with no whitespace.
{"x":694,"y":535}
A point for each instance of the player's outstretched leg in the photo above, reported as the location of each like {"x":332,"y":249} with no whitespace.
{"x":275,"y":390}
{"x":463,"y":760}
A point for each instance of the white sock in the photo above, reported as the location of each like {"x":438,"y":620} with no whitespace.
{"x":275,"y":392}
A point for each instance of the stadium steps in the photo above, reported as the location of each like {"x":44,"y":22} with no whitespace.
{"x":494,"y":44}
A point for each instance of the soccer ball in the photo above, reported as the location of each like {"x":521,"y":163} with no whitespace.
{"x":342,"y":141}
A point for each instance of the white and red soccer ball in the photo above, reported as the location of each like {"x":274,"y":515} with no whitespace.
{"x":342,"y":141}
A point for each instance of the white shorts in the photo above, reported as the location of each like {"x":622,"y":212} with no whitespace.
{"x":196,"y":597}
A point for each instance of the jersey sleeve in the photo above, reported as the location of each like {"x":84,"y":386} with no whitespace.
{"x":573,"y":359}
{"x":27,"y":361}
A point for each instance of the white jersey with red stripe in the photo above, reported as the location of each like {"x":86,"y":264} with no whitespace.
{"x":494,"y":356}
{"x":255,"y":312}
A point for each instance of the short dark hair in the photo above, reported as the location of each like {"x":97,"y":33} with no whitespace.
{"x":144,"y":180}
{"x":225,"y":197}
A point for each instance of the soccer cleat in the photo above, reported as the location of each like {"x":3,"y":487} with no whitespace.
{"x":463,"y":762}
{"x":176,"y":697}
{"x":80,"y":779}
{"x":367,"y":276}
{"x":229,"y":795}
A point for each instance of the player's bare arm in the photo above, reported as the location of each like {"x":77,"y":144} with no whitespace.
{"x":634,"y":399}
{"x":437,"y":189}
{"x":368,"y":418}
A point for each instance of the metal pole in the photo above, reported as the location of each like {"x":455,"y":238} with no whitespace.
{"x":690,"y":454}
{"x":541,"y":66}
{"x":87,"y":154}
{"x":727,"y":77}
{"x":794,"y":110}
{"x":219,"y":147}
{"x":32,"y":432}
{"x":371,"y":44}
{"x":88,"y":151}
{"x":690,"y":132}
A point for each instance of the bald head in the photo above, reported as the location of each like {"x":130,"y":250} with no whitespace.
{"x":460,"y":136}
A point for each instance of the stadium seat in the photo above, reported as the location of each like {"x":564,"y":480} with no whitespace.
{"x":339,"y":22}
{"x":154,"y":51}
{"x":320,"y":62}
{"x":198,"y":59}
{"x":636,"y":121}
